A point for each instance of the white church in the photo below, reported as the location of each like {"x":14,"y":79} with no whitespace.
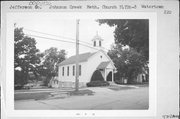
{"x":88,"y":63}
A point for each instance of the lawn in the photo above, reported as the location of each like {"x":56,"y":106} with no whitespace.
{"x":35,"y":96}
{"x":126,"y":87}
{"x":142,"y":85}
{"x":81,"y":92}
{"x":31,"y":94}
{"x":118,"y":88}
{"x":46,"y":95}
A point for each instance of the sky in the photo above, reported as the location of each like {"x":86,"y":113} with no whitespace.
{"x":66,"y":28}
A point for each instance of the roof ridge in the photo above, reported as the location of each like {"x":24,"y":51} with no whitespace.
{"x":82,"y":57}
{"x":80,"y":54}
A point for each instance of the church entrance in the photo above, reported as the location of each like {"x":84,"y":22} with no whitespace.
{"x":97,"y":76}
{"x":109,"y":76}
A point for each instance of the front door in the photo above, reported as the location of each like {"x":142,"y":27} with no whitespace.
{"x":109,"y":76}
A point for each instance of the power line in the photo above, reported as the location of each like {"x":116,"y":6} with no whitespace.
{"x":55,"y":35}
{"x":72,"y":39}
{"x":60,"y":40}
{"x":49,"y":34}
{"x":50,"y":38}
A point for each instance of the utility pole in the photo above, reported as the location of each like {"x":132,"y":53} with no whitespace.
{"x":77,"y":56}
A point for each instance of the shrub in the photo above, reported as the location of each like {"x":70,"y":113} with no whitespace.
{"x":97,"y":76}
{"x":18,"y":87}
{"x":118,"y":82}
{"x":97,"y":83}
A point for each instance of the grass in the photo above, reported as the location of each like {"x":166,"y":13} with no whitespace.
{"x":127,"y":87}
{"x":81,"y":92}
{"x":117,"y":88}
{"x":141,"y":85}
{"x":45,"y":95}
{"x":35,"y":96}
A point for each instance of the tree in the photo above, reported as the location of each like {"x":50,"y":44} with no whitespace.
{"x":128,"y":62}
{"x":25,"y":56}
{"x":51,"y":57}
{"x":133,"y":33}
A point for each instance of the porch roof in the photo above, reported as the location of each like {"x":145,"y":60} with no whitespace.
{"x":103,"y":65}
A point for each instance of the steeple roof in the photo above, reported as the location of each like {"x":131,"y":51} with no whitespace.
{"x":97,"y":37}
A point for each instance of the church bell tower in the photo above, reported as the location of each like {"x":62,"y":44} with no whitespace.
{"x":97,"y":42}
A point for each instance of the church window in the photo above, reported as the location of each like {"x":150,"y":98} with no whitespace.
{"x":73,"y":70}
{"x":63,"y":71}
{"x":94,"y":43}
{"x":68,"y":71}
{"x":100,"y":43}
{"x":79,"y":70}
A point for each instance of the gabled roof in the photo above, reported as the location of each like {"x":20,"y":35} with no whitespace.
{"x":108,"y":58}
{"x":72,"y":60}
{"x":103,"y":65}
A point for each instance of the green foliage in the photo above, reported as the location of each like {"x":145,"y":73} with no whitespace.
{"x":133,"y":33}
{"x":97,"y":76}
{"x":25,"y":56}
{"x":97,"y":83}
{"x":128,"y":62}
{"x":28,"y":59}
{"x":51,"y":57}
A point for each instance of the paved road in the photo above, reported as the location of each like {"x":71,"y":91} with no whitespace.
{"x":104,"y":99}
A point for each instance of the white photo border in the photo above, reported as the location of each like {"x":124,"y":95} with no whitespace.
{"x":12,"y":17}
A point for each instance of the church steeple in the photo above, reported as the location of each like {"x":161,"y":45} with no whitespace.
{"x":97,"y":41}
